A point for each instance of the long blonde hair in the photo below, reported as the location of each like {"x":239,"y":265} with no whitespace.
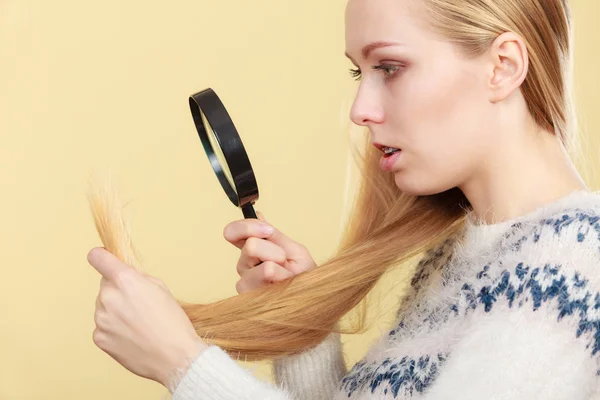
{"x":386,"y":226}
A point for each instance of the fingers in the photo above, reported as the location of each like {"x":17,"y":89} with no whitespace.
{"x":264,"y":274}
{"x":107,"y":264}
{"x":108,"y":298}
{"x":104,"y":282}
{"x":99,"y":305}
{"x":238,"y":232}
{"x":100,"y":314}
{"x":256,"y":251}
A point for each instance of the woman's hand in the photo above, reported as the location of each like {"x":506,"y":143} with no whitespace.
{"x":265,"y":261}
{"x":139,"y":323}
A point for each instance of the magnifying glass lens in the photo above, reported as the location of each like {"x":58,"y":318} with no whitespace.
{"x":216,"y":147}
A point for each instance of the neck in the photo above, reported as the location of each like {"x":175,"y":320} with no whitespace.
{"x":519,"y":178}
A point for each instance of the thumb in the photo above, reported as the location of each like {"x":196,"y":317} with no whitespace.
{"x":107,"y":264}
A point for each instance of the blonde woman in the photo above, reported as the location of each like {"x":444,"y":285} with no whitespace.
{"x":468,"y":108}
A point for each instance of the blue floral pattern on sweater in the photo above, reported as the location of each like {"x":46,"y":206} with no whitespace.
{"x":407,"y":376}
{"x":519,"y":284}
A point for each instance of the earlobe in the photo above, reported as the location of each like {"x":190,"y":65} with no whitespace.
{"x":510,"y":64}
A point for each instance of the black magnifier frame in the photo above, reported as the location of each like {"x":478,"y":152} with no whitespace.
{"x":244,"y":192}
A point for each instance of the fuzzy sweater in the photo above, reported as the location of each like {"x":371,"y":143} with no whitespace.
{"x":502,"y":311}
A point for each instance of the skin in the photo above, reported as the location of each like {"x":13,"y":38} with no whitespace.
{"x":460,"y":122}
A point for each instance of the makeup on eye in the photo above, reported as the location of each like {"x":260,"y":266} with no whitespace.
{"x":379,"y":50}
{"x":389,"y":70}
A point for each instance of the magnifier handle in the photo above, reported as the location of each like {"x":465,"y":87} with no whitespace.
{"x":248,"y":211}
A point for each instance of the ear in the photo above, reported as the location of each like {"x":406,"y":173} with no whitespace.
{"x":510,"y":63}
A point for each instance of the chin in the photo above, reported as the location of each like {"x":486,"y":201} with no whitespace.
{"x":420,"y":186}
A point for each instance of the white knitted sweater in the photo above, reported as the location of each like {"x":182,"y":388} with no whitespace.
{"x":503,"y":311}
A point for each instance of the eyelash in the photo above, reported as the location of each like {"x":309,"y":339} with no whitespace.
{"x":389,"y":71}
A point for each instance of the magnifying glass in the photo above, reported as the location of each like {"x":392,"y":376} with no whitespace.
{"x":225,"y":150}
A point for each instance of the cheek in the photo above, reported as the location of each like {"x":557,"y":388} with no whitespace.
{"x":437,"y":118}
{"x":438,"y":109}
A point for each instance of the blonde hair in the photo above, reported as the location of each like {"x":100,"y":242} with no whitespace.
{"x":387,"y":226}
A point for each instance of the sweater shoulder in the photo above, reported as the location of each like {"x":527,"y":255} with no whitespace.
{"x":552,"y":264}
{"x":569,"y":237}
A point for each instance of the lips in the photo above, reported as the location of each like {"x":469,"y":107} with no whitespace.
{"x":386,"y":150}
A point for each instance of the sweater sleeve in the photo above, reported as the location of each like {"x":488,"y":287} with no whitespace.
{"x":214,"y":375}
{"x":538,"y":335}
{"x":314,"y":374}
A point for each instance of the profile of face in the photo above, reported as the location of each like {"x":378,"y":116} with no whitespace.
{"x":421,"y":94}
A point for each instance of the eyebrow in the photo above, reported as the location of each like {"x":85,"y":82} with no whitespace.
{"x":372,"y":46}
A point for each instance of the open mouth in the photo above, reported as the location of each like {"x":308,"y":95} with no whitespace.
{"x":389,"y":151}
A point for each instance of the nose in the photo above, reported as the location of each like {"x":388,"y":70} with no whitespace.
{"x":366,"y":109}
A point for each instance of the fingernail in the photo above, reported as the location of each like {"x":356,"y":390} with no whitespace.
{"x":267,"y":229}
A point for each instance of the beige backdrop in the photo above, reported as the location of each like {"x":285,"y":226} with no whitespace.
{"x":103,"y":86}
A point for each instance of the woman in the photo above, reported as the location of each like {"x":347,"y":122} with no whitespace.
{"x":468,"y":107}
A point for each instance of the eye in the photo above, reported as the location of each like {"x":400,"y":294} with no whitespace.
{"x":355,"y":73}
{"x":389,"y":70}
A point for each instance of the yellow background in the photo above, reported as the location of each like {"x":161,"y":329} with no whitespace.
{"x":102,"y":87}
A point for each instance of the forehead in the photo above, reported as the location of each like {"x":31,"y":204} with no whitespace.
{"x":383,"y":20}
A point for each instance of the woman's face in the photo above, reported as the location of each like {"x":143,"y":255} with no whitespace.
{"x":419,"y":94}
